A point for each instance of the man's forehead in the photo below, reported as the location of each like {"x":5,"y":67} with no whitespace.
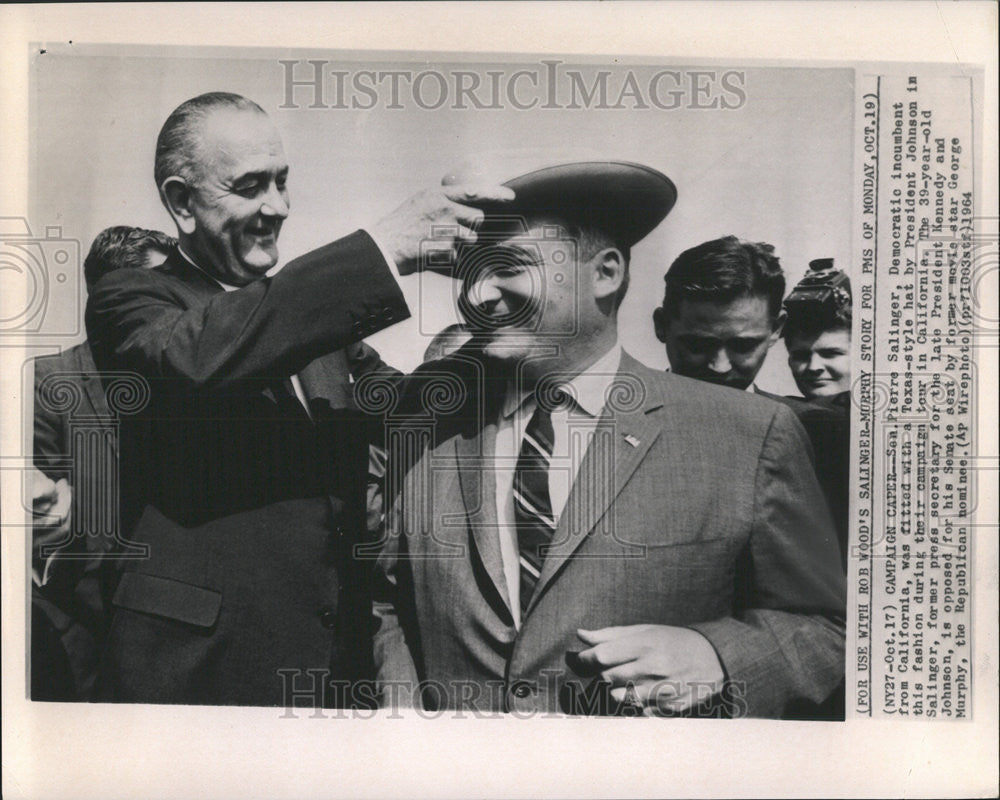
{"x":238,"y":133}
{"x":524,"y":232}
{"x":738,"y":313}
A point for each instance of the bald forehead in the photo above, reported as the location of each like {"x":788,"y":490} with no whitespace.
{"x":225,"y":135}
{"x":229,"y":128}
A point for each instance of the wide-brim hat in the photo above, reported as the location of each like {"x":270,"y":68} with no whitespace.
{"x":624,"y":199}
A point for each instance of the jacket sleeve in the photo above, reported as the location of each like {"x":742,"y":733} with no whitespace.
{"x":785,"y":642}
{"x":321,"y":302}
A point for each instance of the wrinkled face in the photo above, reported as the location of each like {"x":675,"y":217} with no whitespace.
{"x":522,"y":296}
{"x":239,"y":198}
{"x":821,"y":364}
{"x":724,"y":343}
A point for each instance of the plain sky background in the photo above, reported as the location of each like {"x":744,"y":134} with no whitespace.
{"x":777,"y":169}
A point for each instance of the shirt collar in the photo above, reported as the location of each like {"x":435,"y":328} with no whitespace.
{"x":588,"y":389}
{"x":227,"y":287}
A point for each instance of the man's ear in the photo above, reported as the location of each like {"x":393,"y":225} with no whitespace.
{"x":177,"y":197}
{"x":776,"y":328}
{"x":660,"y":324}
{"x":609,"y":272}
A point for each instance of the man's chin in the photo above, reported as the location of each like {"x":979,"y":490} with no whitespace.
{"x":822,"y":389}
{"x":260,"y":262}
{"x":729,"y":383}
{"x":506,"y":344}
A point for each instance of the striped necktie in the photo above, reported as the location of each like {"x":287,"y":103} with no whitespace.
{"x":532,"y":506}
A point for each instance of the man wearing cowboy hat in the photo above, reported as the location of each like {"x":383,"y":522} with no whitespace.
{"x":561,"y":542}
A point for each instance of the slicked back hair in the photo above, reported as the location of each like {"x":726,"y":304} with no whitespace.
{"x":178,"y":142}
{"x":724,"y":270}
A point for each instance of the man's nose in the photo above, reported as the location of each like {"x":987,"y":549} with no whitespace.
{"x":275,"y":203}
{"x":815,"y":363}
{"x":719,"y":362}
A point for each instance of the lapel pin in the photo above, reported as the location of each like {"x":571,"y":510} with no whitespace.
{"x":631,"y":440}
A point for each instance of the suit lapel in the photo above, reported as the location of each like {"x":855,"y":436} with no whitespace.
{"x":327,"y":380}
{"x":83,"y":363}
{"x":475,"y":460}
{"x":192,"y":277}
{"x":324,"y":380}
{"x":621,"y":441}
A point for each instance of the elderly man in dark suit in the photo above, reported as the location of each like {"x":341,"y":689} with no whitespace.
{"x":579,"y":533}
{"x":243,"y":478}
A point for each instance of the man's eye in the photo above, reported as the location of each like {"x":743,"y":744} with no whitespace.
{"x":697,"y":345}
{"x":830,"y":353}
{"x":745,"y":345}
{"x":246,"y":189}
{"x":509,"y":269}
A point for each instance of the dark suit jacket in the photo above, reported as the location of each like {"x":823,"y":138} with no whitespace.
{"x":700,"y":510}
{"x":68,"y":617}
{"x":51,"y":429}
{"x":248,"y":507}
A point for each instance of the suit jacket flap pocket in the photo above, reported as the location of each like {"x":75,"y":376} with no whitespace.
{"x":169,"y":598}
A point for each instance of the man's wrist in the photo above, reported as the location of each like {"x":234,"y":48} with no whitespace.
{"x":386,"y":254}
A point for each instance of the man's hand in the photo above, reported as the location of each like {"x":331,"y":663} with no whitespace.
{"x":443,"y":217}
{"x":660,"y":668}
{"x":50,"y":506}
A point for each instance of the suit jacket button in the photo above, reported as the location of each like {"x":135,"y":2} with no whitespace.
{"x":328,"y":617}
{"x":521,"y":689}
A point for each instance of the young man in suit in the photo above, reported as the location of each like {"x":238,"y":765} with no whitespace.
{"x":244,"y":469}
{"x":577,"y":532}
{"x":722,"y":312}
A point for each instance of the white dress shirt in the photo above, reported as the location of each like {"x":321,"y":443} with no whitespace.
{"x":573,"y":428}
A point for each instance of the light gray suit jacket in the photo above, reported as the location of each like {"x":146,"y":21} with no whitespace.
{"x":694,"y":506}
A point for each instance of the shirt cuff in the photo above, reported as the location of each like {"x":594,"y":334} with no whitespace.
{"x":386,"y":255}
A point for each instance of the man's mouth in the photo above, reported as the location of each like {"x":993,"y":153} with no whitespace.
{"x":263,"y":231}
{"x":722,"y":380}
{"x":485,"y":328}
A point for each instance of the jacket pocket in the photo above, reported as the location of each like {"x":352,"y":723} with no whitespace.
{"x":165,"y":597}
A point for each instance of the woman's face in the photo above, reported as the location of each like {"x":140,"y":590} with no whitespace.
{"x":821,"y":363}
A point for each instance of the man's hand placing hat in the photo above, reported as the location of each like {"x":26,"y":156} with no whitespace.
{"x":444,"y":216}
